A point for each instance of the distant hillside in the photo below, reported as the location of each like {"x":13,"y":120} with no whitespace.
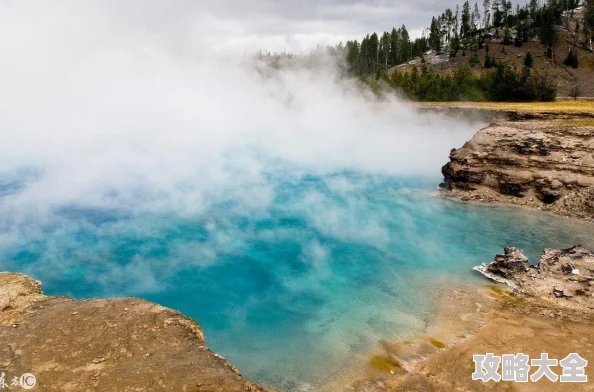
{"x":565,"y":77}
{"x":534,"y":52}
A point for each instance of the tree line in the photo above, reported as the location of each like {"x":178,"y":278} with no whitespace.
{"x":374,"y":55}
{"x":501,"y":83}
{"x":467,"y":29}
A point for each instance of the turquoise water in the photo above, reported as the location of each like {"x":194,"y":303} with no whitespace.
{"x":288,"y":290}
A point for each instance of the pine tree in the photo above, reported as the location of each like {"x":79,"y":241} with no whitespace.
{"x":456,"y":19}
{"x":507,"y":38}
{"x":516,"y":17}
{"x":449,"y":22}
{"x":507,"y":17}
{"x":363,"y":58}
{"x":487,"y":13}
{"x":383,"y":52}
{"x":489,"y":62}
{"x":394,"y":47}
{"x":533,"y":16}
{"x":476,"y":19}
{"x":548,"y":30}
{"x":474,"y":60}
{"x":455,"y":40}
{"x":440,"y":28}
{"x":373,"y":53}
{"x":435,"y":36}
{"x":443,"y":28}
{"x":572,"y":59}
{"x":353,"y":56}
{"x":385,"y":46}
{"x":465,"y":25}
{"x":528,"y":59}
{"x":588,"y":19}
{"x":533,"y":8}
{"x":405,"y":49}
{"x":519,"y":40}
{"x":496,"y":13}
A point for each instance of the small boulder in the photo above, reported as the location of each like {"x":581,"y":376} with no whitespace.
{"x":508,"y":264}
{"x":568,"y":292}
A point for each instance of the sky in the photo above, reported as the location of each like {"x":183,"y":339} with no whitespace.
{"x":236,"y":27}
{"x":239,"y":26}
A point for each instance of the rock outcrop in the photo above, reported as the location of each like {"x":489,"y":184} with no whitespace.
{"x":118,"y":345}
{"x":543,"y":164}
{"x":509,"y":263}
{"x":562,"y":277}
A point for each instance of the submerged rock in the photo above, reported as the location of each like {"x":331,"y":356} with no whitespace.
{"x":122,"y":344}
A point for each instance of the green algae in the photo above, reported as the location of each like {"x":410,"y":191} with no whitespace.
{"x":499,"y":290}
{"x":437,"y":343}
{"x":383,"y":364}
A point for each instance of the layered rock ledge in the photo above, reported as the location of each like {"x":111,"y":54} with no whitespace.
{"x":105,"y":344}
{"x":547,"y":165}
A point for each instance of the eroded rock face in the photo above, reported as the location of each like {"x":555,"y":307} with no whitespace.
{"x":121,"y":344}
{"x":563,"y":276}
{"x":509,"y":263}
{"x":544,"y":164}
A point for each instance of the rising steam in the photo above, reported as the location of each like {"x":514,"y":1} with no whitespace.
{"x":106,"y":110}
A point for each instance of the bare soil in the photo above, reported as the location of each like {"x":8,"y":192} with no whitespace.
{"x":105,"y":345}
{"x":477,"y":320}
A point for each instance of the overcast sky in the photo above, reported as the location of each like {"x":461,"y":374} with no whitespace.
{"x":238,"y":26}
{"x":228,"y":26}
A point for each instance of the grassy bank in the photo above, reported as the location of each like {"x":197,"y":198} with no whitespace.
{"x":532,"y":107}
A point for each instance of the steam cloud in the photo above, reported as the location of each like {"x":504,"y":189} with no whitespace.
{"x":103,"y":111}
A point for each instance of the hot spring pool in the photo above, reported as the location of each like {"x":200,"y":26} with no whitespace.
{"x":290,"y":289}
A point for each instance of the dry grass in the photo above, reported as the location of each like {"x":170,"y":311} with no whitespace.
{"x":549,"y":107}
{"x":579,"y":122}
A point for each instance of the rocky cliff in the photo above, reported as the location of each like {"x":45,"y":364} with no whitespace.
{"x":104,"y":345}
{"x":546,"y":164}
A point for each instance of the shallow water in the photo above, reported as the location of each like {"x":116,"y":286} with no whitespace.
{"x":287,"y":290}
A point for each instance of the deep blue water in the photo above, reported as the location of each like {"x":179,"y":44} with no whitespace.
{"x":291,"y":291}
